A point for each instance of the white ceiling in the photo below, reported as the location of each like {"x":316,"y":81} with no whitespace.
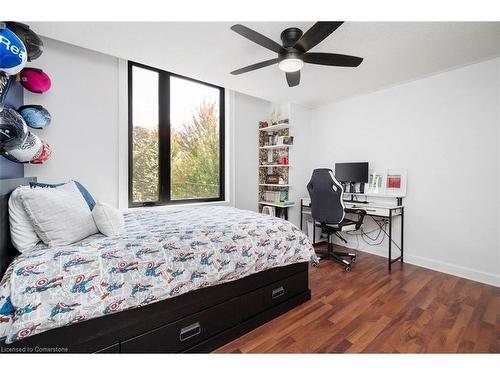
{"x":392,"y":52}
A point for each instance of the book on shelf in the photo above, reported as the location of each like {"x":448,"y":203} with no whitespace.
{"x":286,"y":203}
{"x":279,"y":203}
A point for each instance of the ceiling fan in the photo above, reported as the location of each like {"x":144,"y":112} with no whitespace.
{"x":294,"y":52}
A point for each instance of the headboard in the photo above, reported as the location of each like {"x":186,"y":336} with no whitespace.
{"x":7,"y":250}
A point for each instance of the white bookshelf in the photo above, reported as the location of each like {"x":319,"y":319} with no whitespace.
{"x":270,"y":158}
{"x":275,"y":185}
{"x":264,"y":203}
{"x":274,"y":146}
{"x":274,"y":128}
{"x":274,"y":166}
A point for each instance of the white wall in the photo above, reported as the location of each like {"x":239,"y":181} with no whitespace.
{"x":89,"y":130}
{"x":83,"y":102}
{"x":445,"y":130}
{"x":300,"y":158}
{"x":247,"y":112}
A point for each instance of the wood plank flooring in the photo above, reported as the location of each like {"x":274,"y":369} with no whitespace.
{"x":369,"y":310}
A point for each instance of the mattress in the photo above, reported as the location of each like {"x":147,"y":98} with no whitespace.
{"x":162,"y":254}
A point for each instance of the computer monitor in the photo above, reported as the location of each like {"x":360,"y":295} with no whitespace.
{"x":351,"y":172}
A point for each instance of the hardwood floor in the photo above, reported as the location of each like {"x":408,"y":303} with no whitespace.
{"x":411,"y":310}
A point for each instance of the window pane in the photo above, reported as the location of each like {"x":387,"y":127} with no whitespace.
{"x":145,"y":172}
{"x":194,"y":137}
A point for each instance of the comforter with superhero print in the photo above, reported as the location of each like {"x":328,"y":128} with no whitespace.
{"x":161,"y":254}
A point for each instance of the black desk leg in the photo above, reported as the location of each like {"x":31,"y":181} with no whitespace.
{"x":402,"y":231}
{"x":301,"y":215}
{"x":286,"y":213}
{"x":390,"y":239}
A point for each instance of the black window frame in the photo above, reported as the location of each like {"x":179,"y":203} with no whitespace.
{"x":164,"y":170}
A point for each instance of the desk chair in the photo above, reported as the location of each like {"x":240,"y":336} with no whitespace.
{"x":327,"y":208}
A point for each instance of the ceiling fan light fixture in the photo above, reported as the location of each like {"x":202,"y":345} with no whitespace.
{"x":291,"y":64}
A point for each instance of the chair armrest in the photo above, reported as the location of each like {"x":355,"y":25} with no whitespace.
{"x":361,"y":215}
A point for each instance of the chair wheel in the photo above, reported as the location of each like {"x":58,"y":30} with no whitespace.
{"x":315,"y":265}
{"x":353,"y":259}
{"x":347,"y":269}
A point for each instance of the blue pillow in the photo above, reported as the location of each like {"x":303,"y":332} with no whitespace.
{"x":85,"y":193}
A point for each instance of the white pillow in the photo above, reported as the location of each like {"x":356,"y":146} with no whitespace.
{"x":60,"y":216}
{"x":22,"y":233}
{"x":109,"y":220}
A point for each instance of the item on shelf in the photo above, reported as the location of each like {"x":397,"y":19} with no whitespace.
{"x":283,"y":121}
{"x":283,"y":156}
{"x":281,"y":181}
{"x":274,"y":196}
{"x":263,"y":124}
{"x":272,"y":179}
{"x":268,"y":210}
{"x":13,"y":129}
{"x":275,"y":115}
{"x":32,"y":42}
{"x":36,"y":116}
{"x":288,"y":140}
{"x":279,"y":140}
{"x":35,"y":80}
{"x":13,"y":55}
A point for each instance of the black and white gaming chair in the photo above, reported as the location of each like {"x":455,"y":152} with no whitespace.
{"x":327,"y":209}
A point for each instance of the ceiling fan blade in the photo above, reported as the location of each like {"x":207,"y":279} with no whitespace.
{"x":255,"y":37}
{"x":332,"y":59}
{"x":293,"y":78}
{"x":316,"y":34}
{"x":249,"y":68}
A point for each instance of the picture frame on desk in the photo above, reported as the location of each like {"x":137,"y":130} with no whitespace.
{"x":387,"y":182}
{"x":376,"y":181}
{"x":396,"y":182}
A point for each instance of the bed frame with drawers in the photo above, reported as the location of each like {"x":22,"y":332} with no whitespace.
{"x":199,"y":321}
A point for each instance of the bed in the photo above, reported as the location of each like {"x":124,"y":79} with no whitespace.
{"x":183,"y":280}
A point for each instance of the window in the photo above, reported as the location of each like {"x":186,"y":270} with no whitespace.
{"x":176,"y":138}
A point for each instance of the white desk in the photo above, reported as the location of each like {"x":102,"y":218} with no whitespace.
{"x":385,"y":210}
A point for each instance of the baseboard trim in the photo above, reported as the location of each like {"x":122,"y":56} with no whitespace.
{"x":453,"y":269}
{"x":436,"y":265}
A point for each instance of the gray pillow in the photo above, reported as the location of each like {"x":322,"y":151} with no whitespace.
{"x":59,"y":216}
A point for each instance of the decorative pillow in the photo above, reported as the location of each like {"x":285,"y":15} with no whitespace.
{"x":85,"y":193}
{"x":60,"y":216}
{"x":109,"y":220}
{"x":22,"y":233}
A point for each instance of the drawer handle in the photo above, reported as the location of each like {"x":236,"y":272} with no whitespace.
{"x":190,"y":331}
{"x":278,"y":292}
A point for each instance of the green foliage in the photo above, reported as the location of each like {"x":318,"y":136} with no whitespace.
{"x":145,"y":161}
{"x":194,"y":158}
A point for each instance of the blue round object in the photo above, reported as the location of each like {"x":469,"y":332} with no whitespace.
{"x":36,"y":116}
{"x":13,"y":55}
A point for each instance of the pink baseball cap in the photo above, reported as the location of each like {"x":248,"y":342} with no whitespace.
{"x":35,"y":80}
